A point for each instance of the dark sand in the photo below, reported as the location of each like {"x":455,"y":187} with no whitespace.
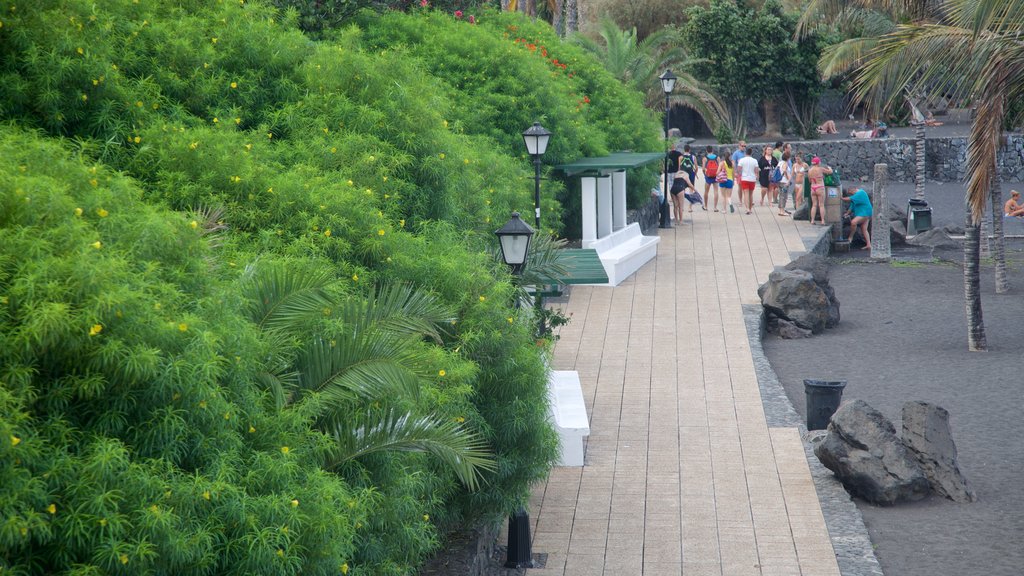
{"x":903,"y":337}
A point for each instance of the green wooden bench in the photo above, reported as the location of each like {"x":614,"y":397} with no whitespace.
{"x":582,"y":266}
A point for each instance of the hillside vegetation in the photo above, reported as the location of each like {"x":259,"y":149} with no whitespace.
{"x":251,"y":319}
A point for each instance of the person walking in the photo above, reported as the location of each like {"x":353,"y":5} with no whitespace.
{"x":786,"y":171}
{"x":726,"y":179}
{"x":765,"y":165}
{"x":817,"y":175}
{"x":748,"y":169}
{"x":710,"y":169}
{"x":741,"y":151}
{"x":688,"y":164}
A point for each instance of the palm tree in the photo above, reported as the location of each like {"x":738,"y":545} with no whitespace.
{"x":638,"y":65}
{"x":973,"y":53}
{"x":375,"y":359}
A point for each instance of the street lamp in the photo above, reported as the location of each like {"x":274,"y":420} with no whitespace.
{"x":536,"y":138}
{"x":514,"y":238}
{"x":668,"y":82}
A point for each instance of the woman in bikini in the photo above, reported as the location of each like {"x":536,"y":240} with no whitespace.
{"x":817,"y":176}
{"x":799,"y":172}
{"x":1012,"y":206}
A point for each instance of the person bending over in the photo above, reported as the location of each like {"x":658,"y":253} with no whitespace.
{"x":860,"y":213}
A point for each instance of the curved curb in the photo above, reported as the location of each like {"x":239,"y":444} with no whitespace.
{"x":850,"y":540}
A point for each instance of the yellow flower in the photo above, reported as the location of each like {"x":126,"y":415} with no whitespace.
{"x":344,"y":568}
{"x":96,"y":329}
{"x":154,"y":508}
{"x":102,"y":213}
{"x":510,"y":320}
{"x":234,"y":84}
{"x":327,"y":232}
{"x":137,"y":139}
{"x":270,"y":134}
{"x":355,"y":277}
{"x":23,"y":530}
{"x":350,"y":183}
{"x":138,"y":104}
{"x":216,"y":120}
{"x":280,"y":552}
{"x":15,"y":440}
{"x":78,"y":211}
{"x":206,"y":494}
{"x":441,"y":155}
{"x":385,"y":178}
{"x":401,"y":223}
{"x":248,"y":147}
{"x":94,"y":182}
{"x":380,"y":232}
{"x":214,"y":40}
{"x":176,"y":396}
{"x":193,"y":146}
{"x":236,"y":179}
{"x":183,"y":327}
{"x":227,"y":415}
{"x":426,"y":517}
{"x":460,"y":419}
{"x":193,"y":224}
{"x":285,"y":450}
{"x":295,"y":503}
{"x":85,"y":97}
{"x":103,"y":522}
{"x":252,"y":430}
{"x":157,"y":306}
{"x":202,"y":404}
{"x":465,"y":160}
{"x":124,"y":558}
{"x":52,"y":508}
{"x":441,"y":372}
{"x":482,"y":298}
{"x":79,"y":50}
{"x":238,"y":120}
{"x":97,"y":244}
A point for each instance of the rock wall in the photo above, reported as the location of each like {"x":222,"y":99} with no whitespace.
{"x":647,"y":215}
{"x":945,"y":158}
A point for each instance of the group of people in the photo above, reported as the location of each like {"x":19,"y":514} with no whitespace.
{"x":776,"y":173}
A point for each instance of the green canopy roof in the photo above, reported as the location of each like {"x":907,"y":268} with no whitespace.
{"x":616,"y":161}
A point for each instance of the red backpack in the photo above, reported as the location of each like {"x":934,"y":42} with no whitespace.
{"x":711,"y":167}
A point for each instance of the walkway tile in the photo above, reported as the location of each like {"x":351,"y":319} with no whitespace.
{"x":683,"y":476}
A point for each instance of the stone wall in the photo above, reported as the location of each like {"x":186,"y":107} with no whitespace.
{"x":648,"y":216}
{"x":945,"y":158}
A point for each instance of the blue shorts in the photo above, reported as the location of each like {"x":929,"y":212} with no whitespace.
{"x":727,"y":184}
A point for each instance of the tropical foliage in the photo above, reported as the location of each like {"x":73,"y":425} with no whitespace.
{"x":249,"y":317}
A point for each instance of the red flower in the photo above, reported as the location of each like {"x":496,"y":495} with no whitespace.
{"x":424,"y":3}
{"x":472,"y":20}
{"x":586,"y":99}
{"x":458,"y":14}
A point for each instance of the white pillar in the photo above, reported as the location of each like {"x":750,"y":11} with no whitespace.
{"x":604,"y":206}
{"x":618,"y":200}
{"x":588,"y":202}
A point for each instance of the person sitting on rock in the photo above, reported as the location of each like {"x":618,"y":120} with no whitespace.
{"x":828,"y":127}
{"x":1012,"y":206}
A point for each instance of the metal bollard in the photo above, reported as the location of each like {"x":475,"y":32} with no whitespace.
{"x":519,"y":554}
{"x":823,"y":399}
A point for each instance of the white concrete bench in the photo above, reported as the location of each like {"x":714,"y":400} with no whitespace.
{"x":569,"y":414}
{"x":623,"y":252}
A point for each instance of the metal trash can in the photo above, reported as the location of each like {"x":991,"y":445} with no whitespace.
{"x":919,"y":217}
{"x":823,"y":398}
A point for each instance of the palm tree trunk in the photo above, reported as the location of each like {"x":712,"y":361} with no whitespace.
{"x":919,"y":168}
{"x":771,"y":119}
{"x":976,"y":341}
{"x":998,"y":244}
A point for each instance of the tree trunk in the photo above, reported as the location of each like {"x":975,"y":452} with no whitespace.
{"x":919,"y":168}
{"x":771,"y":120}
{"x":976,"y":341}
{"x":571,"y":26}
{"x":998,"y":243}
{"x":556,"y":18}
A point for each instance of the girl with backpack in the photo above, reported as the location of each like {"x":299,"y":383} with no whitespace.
{"x":725,"y":181}
{"x":710,"y":169}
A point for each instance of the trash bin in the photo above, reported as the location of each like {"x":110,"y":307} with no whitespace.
{"x":823,"y":398}
{"x":919,"y":216}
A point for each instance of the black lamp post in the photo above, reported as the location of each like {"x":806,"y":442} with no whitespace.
{"x":515,"y":237}
{"x":668,"y":82}
{"x":536,"y":138}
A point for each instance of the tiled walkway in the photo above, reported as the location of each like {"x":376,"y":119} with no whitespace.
{"x":682,"y":475}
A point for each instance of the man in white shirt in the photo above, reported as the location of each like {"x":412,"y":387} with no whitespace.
{"x":747,"y":170}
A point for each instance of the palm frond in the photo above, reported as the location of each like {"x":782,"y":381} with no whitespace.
{"x":357,"y":365}
{"x":404,"y":309}
{"x":281,"y":298}
{"x":464,"y":452}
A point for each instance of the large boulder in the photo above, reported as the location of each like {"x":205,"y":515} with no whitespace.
{"x":801,"y":294}
{"x":897,"y":213}
{"x":863,"y":451}
{"x":934,"y":238}
{"x":927,"y":435}
{"x":786,"y":330}
{"x":897,"y":233}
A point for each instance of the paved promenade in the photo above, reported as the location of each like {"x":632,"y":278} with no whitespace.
{"x":683,"y":475}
